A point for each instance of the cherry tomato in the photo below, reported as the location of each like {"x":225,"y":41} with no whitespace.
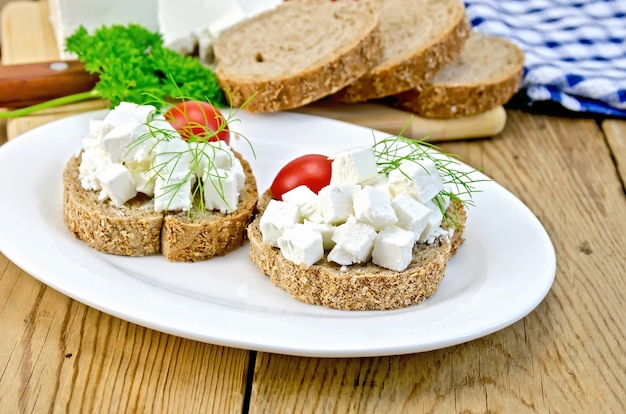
{"x":312,"y":170}
{"x":198,"y":119}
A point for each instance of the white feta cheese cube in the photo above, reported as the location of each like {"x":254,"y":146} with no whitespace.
{"x":373,"y":207}
{"x":172,"y":157}
{"x":301,"y":245}
{"x":93,"y":161}
{"x":121,"y":142}
{"x":432,"y":225}
{"x":305,"y":198}
{"x":278,"y":217}
{"x":143,"y":177}
{"x":127,"y":113}
{"x":326,"y":230}
{"x":393,"y":248}
{"x":117,"y":184}
{"x":380,"y":182}
{"x":420,"y":179}
{"x":220,"y":191}
{"x":356,"y":238}
{"x":335,"y":202}
{"x":173,"y":192}
{"x":412,"y":215}
{"x":341,"y":256}
{"x":353,"y":166}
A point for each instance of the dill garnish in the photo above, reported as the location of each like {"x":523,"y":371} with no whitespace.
{"x":393,"y":151}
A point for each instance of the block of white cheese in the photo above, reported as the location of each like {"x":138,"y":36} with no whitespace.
{"x":412,"y":215}
{"x":393,"y":248}
{"x":68,"y":15}
{"x":307,"y":200}
{"x":117,"y":184}
{"x":336,"y":202}
{"x":372,"y":206}
{"x":301,"y":245}
{"x":220,"y":190}
{"x":354,"y":238}
{"x":278,"y":217}
{"x":419,"y":178}
{"x":190,"y":25}
{"x":353,"y":166}
{"x":173,"y":192}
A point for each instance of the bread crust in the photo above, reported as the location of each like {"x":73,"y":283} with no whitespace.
{"x":135,"y":229}
{"x":448,"y":99}
{"x":279,"y":91}
{"x":364,"y":286}
{"x":396,"y":74}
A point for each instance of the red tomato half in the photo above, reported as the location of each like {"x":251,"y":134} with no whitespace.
{"x":312,"y":170}
{"x":198,"y":119}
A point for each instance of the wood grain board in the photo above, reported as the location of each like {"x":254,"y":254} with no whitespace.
{"x":567,"y":356}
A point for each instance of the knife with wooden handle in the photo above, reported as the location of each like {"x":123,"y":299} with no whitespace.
{"x":29,"y":84}
{"x":32,"y":83}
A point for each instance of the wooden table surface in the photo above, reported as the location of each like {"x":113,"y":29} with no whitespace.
{"x":567,"y":356}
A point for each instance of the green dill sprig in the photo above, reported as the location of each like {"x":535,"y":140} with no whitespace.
{"x":199,"y":154}
{"x":393,"y":151}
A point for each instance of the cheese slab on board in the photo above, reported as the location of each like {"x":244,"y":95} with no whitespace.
{"x":68,"y":15}
{"x":186,"y":25}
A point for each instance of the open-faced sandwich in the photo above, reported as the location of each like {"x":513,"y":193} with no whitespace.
{"x":147,"y":182}
{"x":370,"y":228}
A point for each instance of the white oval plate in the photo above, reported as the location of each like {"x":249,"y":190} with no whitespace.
{"x":502,"y":272}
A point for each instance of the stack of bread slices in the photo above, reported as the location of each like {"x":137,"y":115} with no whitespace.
{"x":418,"y":55}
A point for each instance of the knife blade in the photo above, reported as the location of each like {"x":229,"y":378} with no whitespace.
{"x":31,"y":83}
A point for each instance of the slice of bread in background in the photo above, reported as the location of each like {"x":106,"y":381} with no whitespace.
{"x":297,"y":53}
{"x":487,"y":73}
{"x":420,"y":38}
{"x":211,"y":233}
{"x":133,"y":230}
{"x":359,"y":287}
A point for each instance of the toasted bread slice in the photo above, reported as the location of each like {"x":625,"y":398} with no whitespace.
{"x":486,"y":74}
{"x":135,"y":229}
{"x":420,"y":38}
{"x":359,"y":287}
{"x":297,"y":53}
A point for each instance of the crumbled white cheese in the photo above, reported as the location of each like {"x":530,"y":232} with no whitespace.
{"x":420,"y":179}
{"x":301,"y":245}
{"x":393,"y":248}
{"x":135,"y":148}
{"x":278,"y":217}
{"x":336,"y":202}
{"x":353,"y":166}
{"x":373,"y":207}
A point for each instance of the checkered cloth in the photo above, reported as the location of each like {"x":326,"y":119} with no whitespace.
{"x":575,"y":49}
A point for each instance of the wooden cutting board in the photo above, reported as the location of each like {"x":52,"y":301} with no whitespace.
{"x":26,"y":36}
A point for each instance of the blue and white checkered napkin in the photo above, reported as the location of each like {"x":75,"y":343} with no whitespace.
{"x":575,"y":50}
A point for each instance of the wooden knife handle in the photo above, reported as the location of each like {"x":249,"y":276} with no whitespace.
{"x":28,"y":84}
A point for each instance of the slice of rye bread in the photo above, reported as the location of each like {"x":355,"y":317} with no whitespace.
{"x":135,"y":229}
{"x":420,"y":38}
{"x":486,"y":74}
{"x":297,"y":53}
{"x":362,"y":286}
